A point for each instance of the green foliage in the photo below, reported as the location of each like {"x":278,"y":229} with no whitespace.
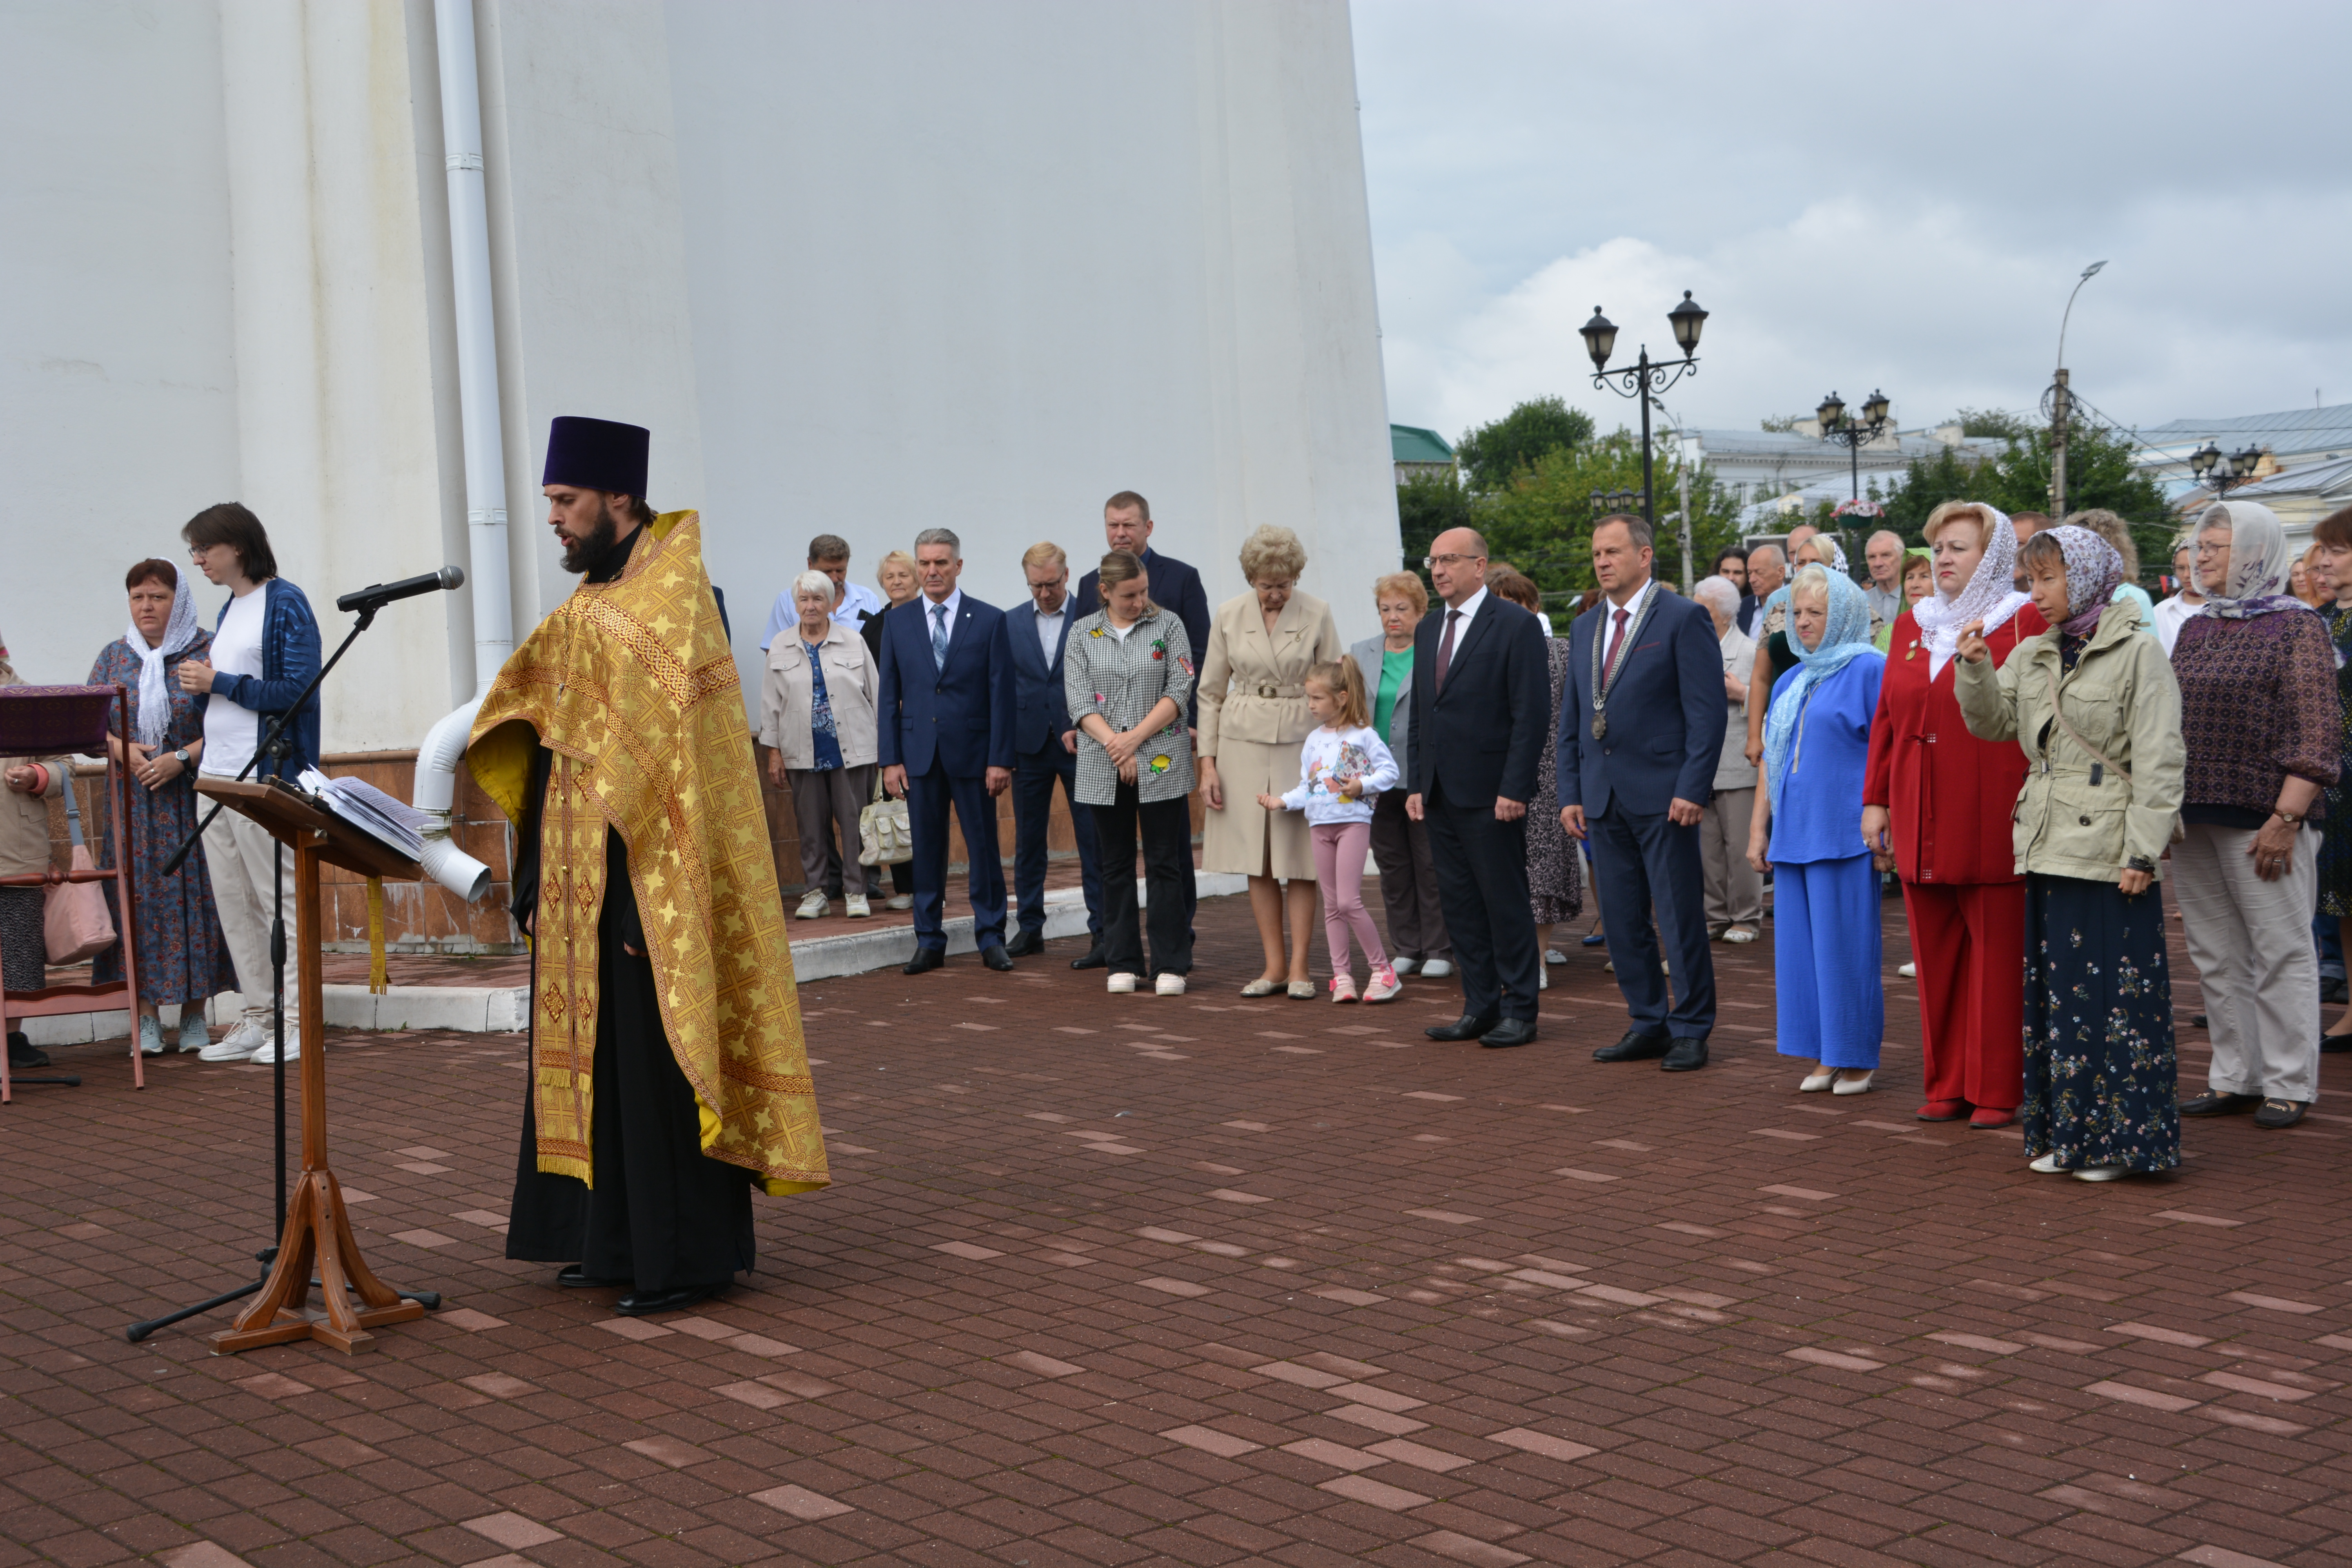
{"x":1926,"y":484}
{"x":1427,"y":505}
{"x":1497,"y":452}
{"x":1542,"y":523}
{"x":1780,"y":424}
{"x":1996,"y":422}
{"x":2099,"y":473}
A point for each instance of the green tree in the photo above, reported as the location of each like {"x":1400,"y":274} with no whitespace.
{"x":1928,"y":483}
{"x":1994,"y":422}
{"x":1427,"y":505}
{"x":2099,"y":473}
{"x":1495,"y":453}
{"x":1780,"y":424}
{"x":1542,"y":523}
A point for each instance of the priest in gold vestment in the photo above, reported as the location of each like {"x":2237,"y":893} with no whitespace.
{"x":668,"y":1069}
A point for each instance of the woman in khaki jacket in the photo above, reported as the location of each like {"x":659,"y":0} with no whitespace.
{"x":1252,"y":699}
{"x":817,"y":714}
{"x":2097,"y":711}
{"x":26,"y":785}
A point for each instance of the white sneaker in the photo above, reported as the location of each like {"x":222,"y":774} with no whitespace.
{"x":1437,"y":968}
{"x":151,"y":1036}
{"x":1405,"y":965}
{"x":1908,"y":970}
{"x":1169,"y":985}
{"x":1554,"y":955}
{"x":2048,"y":1164}
{"x":249,"y":1036}
{"x":1121,"y":985}
{"x":1543,"y":978}
{"x":267,"y":1050}
{"x":813,"y":905}
{"x":856,"y":907}
{"x":194,"y":1035}
{"x":902,"y":901}
{"x":2103,"y":1172}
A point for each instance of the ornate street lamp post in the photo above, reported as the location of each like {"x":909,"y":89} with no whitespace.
{"x":1642,"y":379}
{"x":2222,"y":475}
{"x":1852,"y":434}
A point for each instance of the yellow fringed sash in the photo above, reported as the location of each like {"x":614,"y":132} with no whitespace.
{"x":631,"y":686}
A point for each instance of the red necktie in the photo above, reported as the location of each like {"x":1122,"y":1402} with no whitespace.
{"x":1616,"y":652}
{"x":1446,"y":646}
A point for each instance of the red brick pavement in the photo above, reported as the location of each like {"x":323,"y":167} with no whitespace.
{"x":1205,"y":1281}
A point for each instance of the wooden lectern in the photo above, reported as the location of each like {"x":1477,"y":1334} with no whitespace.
{"x":318,"y":1225}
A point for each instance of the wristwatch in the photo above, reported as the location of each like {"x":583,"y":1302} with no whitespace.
{"x":180,"y":756}
{"x":2292,"y":819}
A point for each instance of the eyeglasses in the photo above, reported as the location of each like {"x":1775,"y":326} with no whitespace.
{"x":1428,"y":561}
{"x":2207,"y":547}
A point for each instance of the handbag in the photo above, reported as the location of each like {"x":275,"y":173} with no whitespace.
{"x":75,"y":922}
{"x":885,"y":834}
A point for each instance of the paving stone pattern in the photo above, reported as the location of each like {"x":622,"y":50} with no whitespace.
{"x":1202,"y":1280}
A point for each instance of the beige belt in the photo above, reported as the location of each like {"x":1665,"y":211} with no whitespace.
{"x":1269,"y":690}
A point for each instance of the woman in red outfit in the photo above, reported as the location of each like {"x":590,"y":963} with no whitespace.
{"x":1946,"y":798}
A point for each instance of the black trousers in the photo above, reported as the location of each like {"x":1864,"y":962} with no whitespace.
{"x":1166,"y":827}
{"x":1482,"y":881}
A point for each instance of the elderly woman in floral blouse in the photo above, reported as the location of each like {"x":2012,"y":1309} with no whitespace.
{"x":2257,"y":710}
{"x":1127,"y":672}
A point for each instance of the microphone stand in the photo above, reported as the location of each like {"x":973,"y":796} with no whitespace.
{"x":276,"y":744}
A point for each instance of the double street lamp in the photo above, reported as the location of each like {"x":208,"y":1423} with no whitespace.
{"x":1852,"y":434}
{"x":1643,"y":380}
{"x":2221,"y":474}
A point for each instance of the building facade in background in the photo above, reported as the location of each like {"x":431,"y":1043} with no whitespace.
{"x":862,"y":270}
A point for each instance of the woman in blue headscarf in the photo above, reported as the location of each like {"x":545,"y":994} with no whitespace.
{"x":1832,"y":1007}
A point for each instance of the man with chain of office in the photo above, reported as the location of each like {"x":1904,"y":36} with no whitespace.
{"x":667,"y":1067}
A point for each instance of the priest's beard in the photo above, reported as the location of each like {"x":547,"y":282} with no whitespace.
{"x":584,"y":555}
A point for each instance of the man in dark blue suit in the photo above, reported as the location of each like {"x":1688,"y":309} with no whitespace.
{"x":1044,"y":749}
{"x":1481,"y":711}
{"x":947,"y":740}
{"x":1640,"y":726}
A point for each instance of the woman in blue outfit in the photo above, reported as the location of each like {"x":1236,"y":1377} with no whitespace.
{"x":1832,"y":1006}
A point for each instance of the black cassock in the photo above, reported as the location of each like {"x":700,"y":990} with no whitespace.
{"x":662,"y":1214}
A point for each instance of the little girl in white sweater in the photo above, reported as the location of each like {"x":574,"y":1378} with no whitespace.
{"x":1343,"y":768}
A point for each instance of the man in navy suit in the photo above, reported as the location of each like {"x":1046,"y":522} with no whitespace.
{"x":1044,"y":749}
{"x":1641,"y":722}
{"x":1480,"y":709}
{"x":946,"y":739}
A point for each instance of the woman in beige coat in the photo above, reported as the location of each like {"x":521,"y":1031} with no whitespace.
{"x":1253,"y":699}
{"x":817,"y":716}
{"x":26,"y":785}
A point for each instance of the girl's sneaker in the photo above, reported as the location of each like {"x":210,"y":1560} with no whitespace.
{"x":1121,"y":985}
{"x":1382,"y":986}
{"x":1343,"y":988}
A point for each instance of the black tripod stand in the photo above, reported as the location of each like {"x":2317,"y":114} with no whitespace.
{"x":278,"y":746}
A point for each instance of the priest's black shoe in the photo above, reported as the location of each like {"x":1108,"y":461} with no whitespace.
{"x":1468,"y":1026}
{"x":926,"y":958}
{"x":995,"y":957}
{"x":1508,"y":1033}
{"x":574,"y":1277}
{"x":1025,"y":943}
{"x":1093,"y":958}
{"x":1687,"y":1055}
{"x":646,"y":1303}
{"x":1636,"y":1046}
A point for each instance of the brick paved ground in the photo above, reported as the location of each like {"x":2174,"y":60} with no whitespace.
{"x":1206,"y":1281}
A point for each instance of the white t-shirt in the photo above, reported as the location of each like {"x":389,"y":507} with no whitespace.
{"x":1331,"y":755}
{"x":230,"y":732}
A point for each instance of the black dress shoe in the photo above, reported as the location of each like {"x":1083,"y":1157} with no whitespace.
{"x":574,"y":1277}
{"x":1508,"y":1033}
{"x":996,"y":958}
{"x":1687,"y":1056}
{"x":1027,"y":942}
{"x":2197,"y":1021}
{"x":2280,"y":1113}
{"x":926,"y":958}
{"x":22,"y":1053}
{"x":1468,"y":1026}
{"x":2213,"y":1102}
{"x":646,"y":1303}
{"x":2331,"y":1045}
{"x":1636,"y":1046}
{"x":1093,"y":958}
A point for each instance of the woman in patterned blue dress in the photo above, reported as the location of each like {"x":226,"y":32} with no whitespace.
{"x":183,"y":956}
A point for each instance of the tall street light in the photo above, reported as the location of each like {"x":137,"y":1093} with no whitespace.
{"x":1853,"y":435}
{"x":2222,"y":475}
{"x":1642,"y":379}
{"x":2060,"y":402}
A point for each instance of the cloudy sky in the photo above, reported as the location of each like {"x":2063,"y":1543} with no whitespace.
{"x":1886,"y":195}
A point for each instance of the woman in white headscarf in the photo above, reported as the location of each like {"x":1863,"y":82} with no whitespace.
{"x":183,"y":956}
{"x":1833,"y":1004}
{"x":2259,"y":714}
{"x":2092,"y":706}
{"x":1937,"y":801}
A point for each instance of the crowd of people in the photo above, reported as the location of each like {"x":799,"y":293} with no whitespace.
{"x":1998,"y":724}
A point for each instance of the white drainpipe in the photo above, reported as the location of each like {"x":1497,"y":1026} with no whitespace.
{"x":478,"y":349}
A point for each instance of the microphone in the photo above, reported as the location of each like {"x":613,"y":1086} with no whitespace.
{"x":375,"y":595}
